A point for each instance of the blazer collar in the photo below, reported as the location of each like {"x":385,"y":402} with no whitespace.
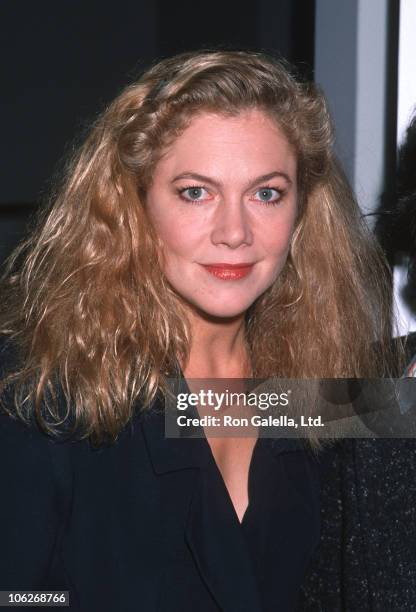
{"x":171,"y":454}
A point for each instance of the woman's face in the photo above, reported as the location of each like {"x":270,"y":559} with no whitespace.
{"x":223,"y":201}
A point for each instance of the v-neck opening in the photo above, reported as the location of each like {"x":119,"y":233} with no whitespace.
{"x":249,"y":481}
{"x":260,"y":443}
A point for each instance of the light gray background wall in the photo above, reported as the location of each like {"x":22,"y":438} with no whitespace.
{"x":352,"y":62}
{"x":350,"y":65}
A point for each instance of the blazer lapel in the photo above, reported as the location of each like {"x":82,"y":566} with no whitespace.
{"x":217,"y":542}
{"x":170,"y":454}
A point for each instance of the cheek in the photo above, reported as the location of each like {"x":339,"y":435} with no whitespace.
{"x":180,"y":229}
{"x":165,"y":222}
{"x":178,"y":235}
{"x":277,"y":239}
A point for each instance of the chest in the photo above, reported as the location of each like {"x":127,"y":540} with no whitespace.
{"x":233,"y":457}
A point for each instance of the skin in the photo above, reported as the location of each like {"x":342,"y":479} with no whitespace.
{"x":224,"y":192}
{"x":224,"y":217}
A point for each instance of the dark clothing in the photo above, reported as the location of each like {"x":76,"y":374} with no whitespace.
{"x":147,"y":524}
{"x":282,"y":522}
{"x":366,"y":561}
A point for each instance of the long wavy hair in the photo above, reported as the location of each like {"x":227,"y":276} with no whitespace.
{"x":84,"y":299}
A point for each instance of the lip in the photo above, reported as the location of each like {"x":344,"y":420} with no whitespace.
{"x":227,"y":271}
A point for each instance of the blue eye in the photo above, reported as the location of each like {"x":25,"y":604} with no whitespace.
{"x":268,"y":195}
{"x":194,"y":194}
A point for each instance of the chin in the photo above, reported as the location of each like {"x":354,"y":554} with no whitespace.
{"x":221,"y":310}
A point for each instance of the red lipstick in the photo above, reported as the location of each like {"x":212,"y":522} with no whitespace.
{"x":226,"y":271}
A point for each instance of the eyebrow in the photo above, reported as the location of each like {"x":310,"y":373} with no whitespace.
{"x":206,"y":179}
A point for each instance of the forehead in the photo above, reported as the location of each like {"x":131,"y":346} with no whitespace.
{"x":248,"y":142}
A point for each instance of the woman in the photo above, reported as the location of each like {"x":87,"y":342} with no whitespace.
{"x":204,"y":229}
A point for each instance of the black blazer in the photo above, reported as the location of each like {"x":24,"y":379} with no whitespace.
{"x":132,"y":526}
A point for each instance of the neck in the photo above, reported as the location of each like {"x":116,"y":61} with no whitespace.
{"x":218,"y":347}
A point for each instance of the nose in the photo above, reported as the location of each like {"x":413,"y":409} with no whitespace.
{"x":232,"y":225}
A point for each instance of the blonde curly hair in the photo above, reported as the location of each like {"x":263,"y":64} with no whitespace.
{"x":84,"y":299}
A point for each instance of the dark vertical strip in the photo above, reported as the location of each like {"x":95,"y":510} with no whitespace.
{"x":387,"y":227}
{"x":287,"y":29}
{"x":303,"y":33}
{"x":391,"y":97}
